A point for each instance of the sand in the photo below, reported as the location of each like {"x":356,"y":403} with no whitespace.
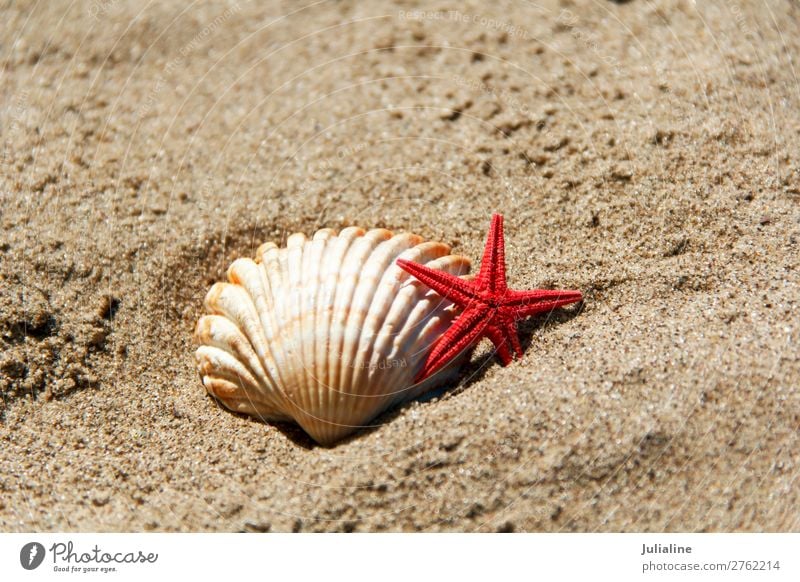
{"x":643,"y":152}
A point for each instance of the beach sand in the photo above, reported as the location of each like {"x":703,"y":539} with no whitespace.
{"x":642,"y":152}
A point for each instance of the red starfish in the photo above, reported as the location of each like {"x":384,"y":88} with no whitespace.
{"x":491,"y":309}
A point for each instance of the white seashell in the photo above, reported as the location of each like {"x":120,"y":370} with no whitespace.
{"x":328,"y":332}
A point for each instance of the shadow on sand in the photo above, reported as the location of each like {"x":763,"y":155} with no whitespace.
{"x":472,"y":373}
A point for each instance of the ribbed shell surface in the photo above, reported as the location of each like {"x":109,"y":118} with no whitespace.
{"x":328,"y":332}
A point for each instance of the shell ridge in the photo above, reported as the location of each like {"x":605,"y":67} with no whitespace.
{"x":292,"y":329}
{"x":312,"y":255}
{"x":271,"y":283}
{"x":248,"y":275}
{"x":220,"y":332}
{"x":400,"y":361}
{"x":370,"y":368}
{"x":401,"y":309}
{"x":420,"y":252}
{"x":229,"y":381}
{"x":367,"y":283}
{"x":234,"y":302}
{"x":279,"y":283}
{"x":324,"y":304}
{"x":224,"y":364}
{"x":429,"y":311}
{"x":303,"y":390}
{"x":349,"y":275}
{"x":338,"y":250}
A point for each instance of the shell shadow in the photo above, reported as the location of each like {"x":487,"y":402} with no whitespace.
{"x":297,"y":435}
{"x":290,"y":430}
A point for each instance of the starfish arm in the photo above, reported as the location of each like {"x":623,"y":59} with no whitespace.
{"x":510,"y":329}
{"x":490,"y":309}
{"x":466,"y":330}
{"x":502,"y":347}
{"x":450,"y":286}
{"x":527,"y":303}
{"x":492,"y":275}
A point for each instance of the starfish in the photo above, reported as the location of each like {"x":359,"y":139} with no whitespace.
{"x":490,"y":308}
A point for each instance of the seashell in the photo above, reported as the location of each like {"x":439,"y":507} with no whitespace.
{"x":327,"y":332}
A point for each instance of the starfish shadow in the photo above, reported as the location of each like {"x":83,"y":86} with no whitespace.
{"x":476,"y":369}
